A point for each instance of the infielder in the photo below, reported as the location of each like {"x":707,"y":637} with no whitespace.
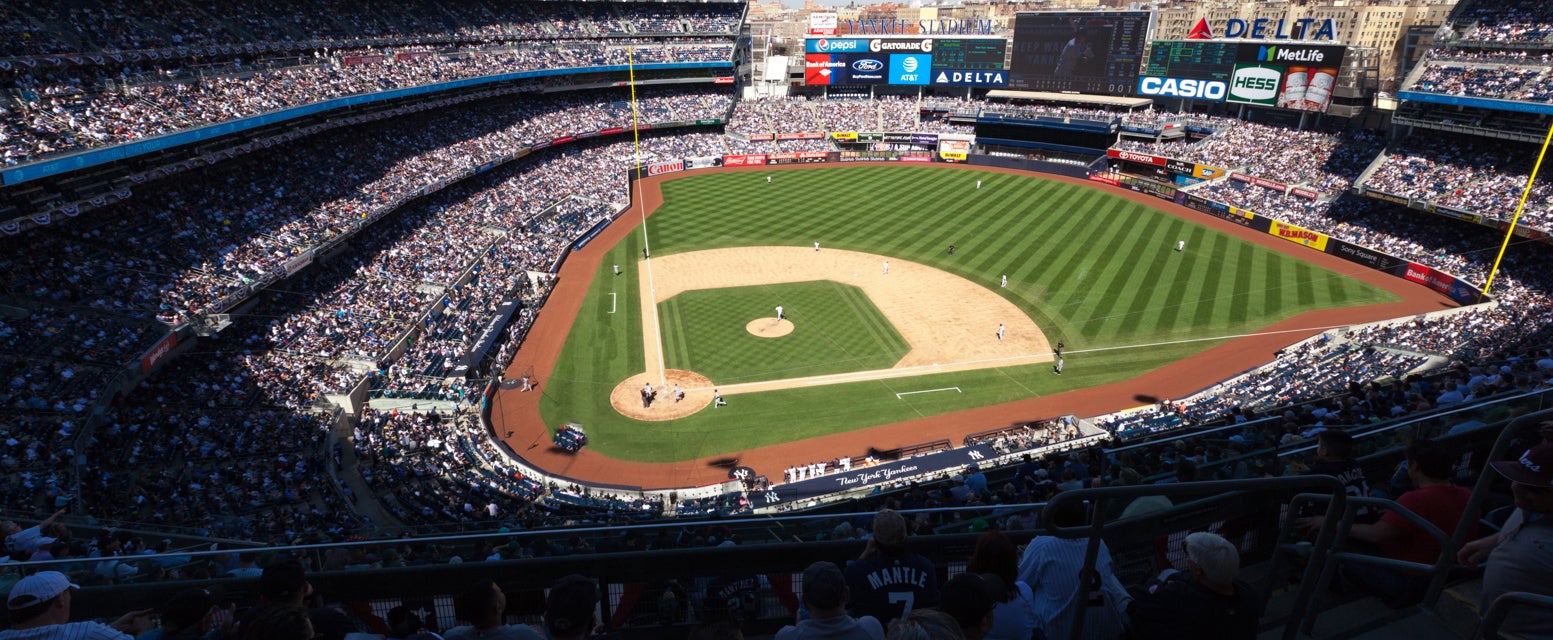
{"x":1180,"y":245}
{"x":779,"y":313}
{"x":1005,"y":281}
{"x":717,"y":399}
{"x":886,"y":268}
{"x":816,"y":246}
{"x":1058,"y":368}
{"x":1000,"y":331}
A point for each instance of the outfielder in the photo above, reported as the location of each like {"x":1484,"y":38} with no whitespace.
{"x":1005,"y":281}
{"x":768,"y":179}
{"x":617,"y":269}
{"x":978,"y":184}
{"x":1180,"y":245}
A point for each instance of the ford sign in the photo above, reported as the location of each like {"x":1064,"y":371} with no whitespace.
{"x":867,"y":65}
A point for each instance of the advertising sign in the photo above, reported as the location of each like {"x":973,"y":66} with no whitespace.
{"x":835,"y":45}
{"x":844,"y":136}
{"x":744,"y":160}
{"x":1190,"y":88}
{"x":1255,"y":84}
{"x":820,"y":69}
{"x":1287,"y":76}
{"x":158,"y":352}
{"x":910,"y":68}
{"x":1082,"y":51}
{"x":822,"y":24}
{"x":954,"y":150}
{"x":970,"y":78}
{"x":1361,"y":255}
{"x":1440,"y":281}
{"x":1298,"y":235}
{"x":1140,"y":158}
{"x":863,"y":478}
{"x":665,"y":167}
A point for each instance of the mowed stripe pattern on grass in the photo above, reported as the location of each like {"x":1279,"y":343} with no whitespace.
{"x":1091,"y":268}
{"x":836,"y":329}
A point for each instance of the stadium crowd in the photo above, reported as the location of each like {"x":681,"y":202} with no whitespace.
{"x":1482,"y":81}
{"x":1322,"y":161}
{"x":1472,"y":175}
{"x":1507,"y":21}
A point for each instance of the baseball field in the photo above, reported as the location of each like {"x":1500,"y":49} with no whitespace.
{"x":862,"y":345}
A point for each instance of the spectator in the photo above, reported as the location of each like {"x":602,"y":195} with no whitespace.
{"x":1335,"y":457}
{"x":1205,"y":601}
{"x":571,"y":608}
{"x":887,"y":569}
{"x":1014,"y":615}
{"x":1436,"y":499}
{"x":482,"y":607}
{"x":38,"y":606}
{"x":825,"y":595}
{"x":970,"y":599}
{"x":926,"y":624}
{"x":189,"y":615}
{"x":1054,"y":568}
{"x":1516,"y":558}
{"x":278,"y":622}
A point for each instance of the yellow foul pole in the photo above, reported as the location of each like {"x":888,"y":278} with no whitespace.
{"x":641,"y":199}
{"x":1525,"y":193}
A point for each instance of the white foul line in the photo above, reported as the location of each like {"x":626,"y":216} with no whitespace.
{"x":907,"y":393}
{"x":611,"y":302}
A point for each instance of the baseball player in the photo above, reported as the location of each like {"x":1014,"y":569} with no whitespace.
{"x":617,"y":269}
{"x":717,"y":399}
{"x":644,"y":253}
{"x":816,"y":246}
{"x":951,"y":249}
{"x":1058,"y":368}
{"x":1005,"y":281}
{"x":1180,"y":245}
{"x":1000,"y":331}
{"x":978,"y":184}
{"x":886,"y":268}
{"x":1059,"y":348}
{"x":768,"y":179}
{"x":527,"y":384}
{"x":678,"y":395}
{"x":779,"y":313}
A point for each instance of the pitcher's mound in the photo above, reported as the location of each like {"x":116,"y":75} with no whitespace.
{"x":627,"y":396}
{"x":769,"y":327}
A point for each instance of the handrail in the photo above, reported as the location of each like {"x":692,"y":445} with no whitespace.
{"x":1512,"y":433}
{"x":1096,"y":528}
{"x":1501,"y":607}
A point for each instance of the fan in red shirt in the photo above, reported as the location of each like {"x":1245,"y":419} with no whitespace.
{"x":1434,"y":498}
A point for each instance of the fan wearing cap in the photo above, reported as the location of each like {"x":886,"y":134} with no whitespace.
{"x":38,"y":607}
{"x":1205,"y":601}
{"x":887,"y":581}
{"x":571,"y":609}
{"x":1520,"y":556}
{"x":825,"y":596}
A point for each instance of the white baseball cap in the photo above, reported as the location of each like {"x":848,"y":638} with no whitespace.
{"x":39,"y":587}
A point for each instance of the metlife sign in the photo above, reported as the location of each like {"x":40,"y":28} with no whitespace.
{"x":1211,"y":90}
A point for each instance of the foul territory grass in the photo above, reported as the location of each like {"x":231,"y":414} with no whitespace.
{"x":1092,"y":269}
{"x":835,"y":329}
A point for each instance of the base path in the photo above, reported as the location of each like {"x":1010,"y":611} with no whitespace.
{"x":516,"y":415}
{"x":915,"y":298}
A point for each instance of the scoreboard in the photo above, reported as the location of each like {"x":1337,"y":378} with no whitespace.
{"x":1195,"y":59}
{"x":981,"y":55}
{"x":1082,"y":51}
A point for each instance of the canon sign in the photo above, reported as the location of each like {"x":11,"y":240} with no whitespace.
{"x":1183,"y":88}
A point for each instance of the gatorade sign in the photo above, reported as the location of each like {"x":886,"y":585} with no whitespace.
{"x":1255,"y":84}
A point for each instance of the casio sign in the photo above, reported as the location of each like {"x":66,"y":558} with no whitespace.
{"x":867,"y":65}
{"x":1185,"y":88}
{"x":1255,"y":84}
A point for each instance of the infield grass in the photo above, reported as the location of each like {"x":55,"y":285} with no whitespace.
{"x":835,"y":329}
{"x":1092,"y":269}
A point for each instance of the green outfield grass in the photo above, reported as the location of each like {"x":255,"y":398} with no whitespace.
{"x":1092,"y":269}
{"x":835,"y":329}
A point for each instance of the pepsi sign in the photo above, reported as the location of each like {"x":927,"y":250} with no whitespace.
{"x":835,"y":45}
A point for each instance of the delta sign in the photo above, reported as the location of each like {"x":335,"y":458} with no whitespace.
{"x":1268,"y":29}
